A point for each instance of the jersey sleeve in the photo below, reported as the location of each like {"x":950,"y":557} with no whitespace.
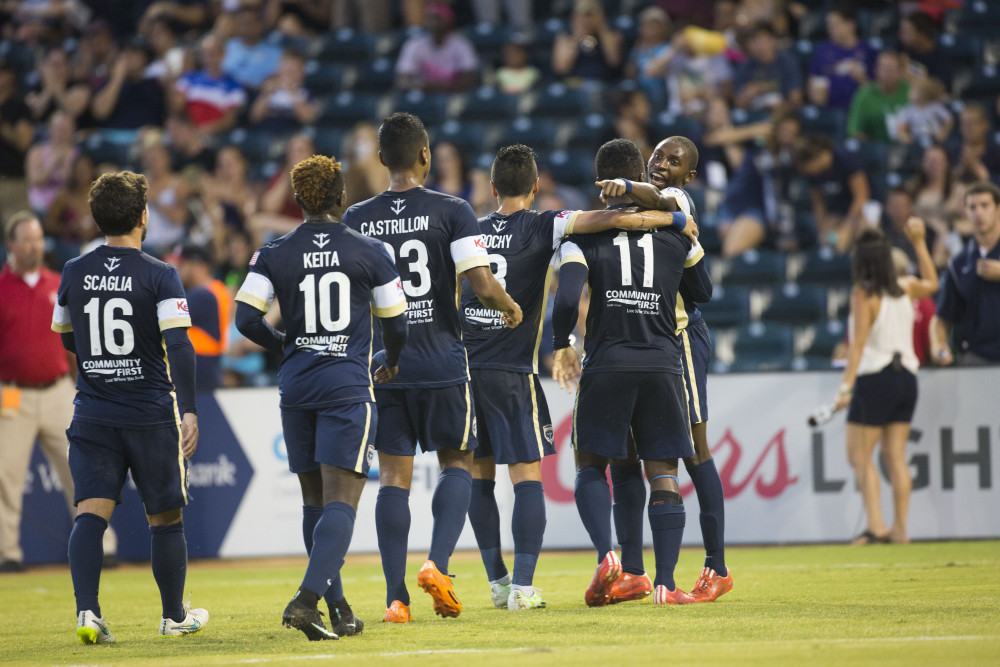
{"x":61,"y":322}
{"x":695,"y":255}
{"x":467,"y":248}
{"x":571,"y":252}
{"x":562,"y":226}
{"x":388,"y":299}
{"x":257,"y":289}
{"x":681,"y":197}
{"x":171,"y":302}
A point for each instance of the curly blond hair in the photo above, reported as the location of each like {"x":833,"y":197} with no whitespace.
{"x":317,"y":182}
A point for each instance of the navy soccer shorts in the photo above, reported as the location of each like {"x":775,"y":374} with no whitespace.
{"x":653,"y":405}
{"x":442,"y":418}
{"x":883,"y":398}
{"x":342,"y":436}
{"x":100,"y":457}
{"x":512,"y":415}
{"x":696,"y":353}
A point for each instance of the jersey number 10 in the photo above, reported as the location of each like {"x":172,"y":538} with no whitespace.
{"x":646,"y":243}
{"x":311,"y":291}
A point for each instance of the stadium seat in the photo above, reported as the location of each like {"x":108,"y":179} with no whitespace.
{"x":489,"y":105}
{"x":729,"y":307}
{"x":760,"y":346}
{"x":329,"y":141}
{"x":983,"y":84}
{"x":829,"y":122}
{"x":558,"y":101}
{"x":744,"y":117}
{"x":347,"y":46}
{"x":576,"y":169}
{"x":667,"y":124}
{"x":826,"y":336}
{"x":254,"y":144}
{"x":376,"y":76}
{"x":796,"y":304}
{"x":874,"y":155}
{"x":756,"y":268}
{"x":431,"y":108}
{"x":469,"y":138}
{"x":825,"y":267}
{"x":345,"y":109}
{"x":323,"y":78}
{"x":539,"y":134}
{"x":966,"y":50}
{"x":708,"y":235}
{"x":588,"y":132}
{"x":489,"y":39}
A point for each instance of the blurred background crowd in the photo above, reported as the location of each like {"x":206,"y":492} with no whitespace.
{"x":814,"y":119}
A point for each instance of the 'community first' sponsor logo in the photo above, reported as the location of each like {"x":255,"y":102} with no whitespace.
{"x":635,"y":301}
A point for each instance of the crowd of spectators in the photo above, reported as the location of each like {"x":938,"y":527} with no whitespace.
{"x":806,"y":112}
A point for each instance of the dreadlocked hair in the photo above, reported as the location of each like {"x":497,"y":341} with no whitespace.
{"x":317,"y":182}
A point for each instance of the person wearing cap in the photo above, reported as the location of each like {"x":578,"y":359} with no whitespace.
{"x":128,"y":100}
{"x":438,"y":60}
{"x":211,"y":307}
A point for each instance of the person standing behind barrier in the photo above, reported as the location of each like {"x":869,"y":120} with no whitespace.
{"x":880,"y":381}
{"x":37,"y":391}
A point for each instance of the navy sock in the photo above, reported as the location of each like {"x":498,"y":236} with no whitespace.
{"x":630,"y":498}
{"x":666,"y":519}
{"x":169,"y":562}
{"x":449,"y":507}
{"x":708,"y":486}
{"x":392,"y":525}
{"x":529,"y":527}
{"x":331,"y":538}
{"x":484,"y":515}
{"x":310,"y":516}
{"x":593,"y":502}
{"x":86,"y":554}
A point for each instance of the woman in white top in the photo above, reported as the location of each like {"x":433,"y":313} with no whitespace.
{"x":880,"y":381}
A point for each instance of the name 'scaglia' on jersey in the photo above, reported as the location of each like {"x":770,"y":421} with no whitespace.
{"x":432,"y":237}
{"x":522,"y":248}
{"x":117,"y":302}
{"x":329,"y":281}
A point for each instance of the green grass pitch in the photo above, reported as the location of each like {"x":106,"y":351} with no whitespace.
{"x":919,"y":604}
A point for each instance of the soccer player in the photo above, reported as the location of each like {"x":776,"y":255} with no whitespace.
{"x":435,"y":238}
{"x":329,"y":281}
{"x":513,"y":417}
{"x":672,"y":165}
{"x":631,"y":381}
{"x":119,"y":310}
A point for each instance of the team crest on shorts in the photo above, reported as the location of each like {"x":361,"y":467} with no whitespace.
{"x":371,"y":453}
{"x":547,"y":430}
{"x":475,"y":428}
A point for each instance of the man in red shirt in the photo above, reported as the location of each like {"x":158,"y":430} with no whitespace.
{"x":36,"y":390}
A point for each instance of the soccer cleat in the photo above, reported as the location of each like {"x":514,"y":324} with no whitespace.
{"x":711,"y":586}
{"x":662,"y":596}
{"x":499,"y":593}
{"x":93,"y":630}
{"x":607,"y":574}
{"x":343,"y":622}
{"x":397,"y":613}
{"x":194,"y":621}
{"x":630,"y":587}
{"x":518,"y":600}
{"x":439,"y":587}
{"x":310,"y":621}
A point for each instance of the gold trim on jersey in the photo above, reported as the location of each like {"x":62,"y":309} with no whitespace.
{"x":371,"y":342}
{"x":471,"y":263}
{"x":468,"y":417}
{"x":690,"y":380}
{"x":576,"y":406}
{"x":253,"y":300}
{"x":534,"y":417}
{"x":681,"y":314}
{"x":177,"y":418}
{"x":359,"y":466}
{"x":390,"y":311}
{"x":695,"y":258}
{"x":573,"y":258}
{"x":541,"y":320}
{"x":175,"y":323}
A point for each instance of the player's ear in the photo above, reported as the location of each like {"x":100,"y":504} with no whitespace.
{"x":425,"y":155}
{"x":493,"y":189}
{"x":298,"y":200}
{"x":534,"y":190}
{"x":382,"y":160}
{"x":341,"y":199}
{"x":690,"y":176}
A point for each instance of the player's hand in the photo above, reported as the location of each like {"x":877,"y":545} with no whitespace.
{"x":513,"y":318}
{"x":942,"y":356}
{"x":691,"y":229}
{"x":610,"y":189}
{"x":566,"y":369}
{"x":386,"y":374}
{"x":843,"y":400}
{"x":988,"y":269}
{"x":916,"y":230}
{"x":189,"y":434}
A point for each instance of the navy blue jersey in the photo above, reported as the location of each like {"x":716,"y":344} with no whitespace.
{"x":633,"y":279}
{"x":328,"y":280}
{"x":522,"y":248}
{"x":117,"y":302}
{"x":433,"y":237}
{"x":696,"y":284}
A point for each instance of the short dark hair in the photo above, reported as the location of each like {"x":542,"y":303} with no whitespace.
{"x":922,"y":23}
{"x":689,"y":149}
{"x":514,"y":171}
{"x":846,"y":10}
{"x":117,"y":201}
{"x":619,"y":158}
{"x":318,"y":182}
{"x":400,"y":138}
{"x":14,"y":221}
{"x":807,"y":149}
{"x":872,"y":268}
{"x":193,"y":252}
{"x":983,"y":188}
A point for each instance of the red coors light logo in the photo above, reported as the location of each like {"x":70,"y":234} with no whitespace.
{"x":768,"y":482}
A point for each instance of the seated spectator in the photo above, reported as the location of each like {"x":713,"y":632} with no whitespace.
{"x":899,"y":208}
{"x":516,"y":75}
{"x":167,"y":196}
{"x":168,"y":55}
{"x":450,"y":175}
{"x":977,"y":155}
{"x":769,"y":78}
{"x":69,"y":220}
{"x":652,"y":43}
{"x":969,"y":300}
{"x":918,"y":43}
{"x":875,"y":105}
{"x":938,"y":197}
{"x":693,"y":75}
{"x":228,"y":198}
{"x":925,"y":120}
{"x":632,"y":115}
{"x":284,"y":105}
{"x":439,"y":59}
{"x":129,"y":101}
{"x":842,"y":64}
{"x":248,"y":59}
{"x":279,"y":213}
{"x":210,"y":98}
{"x":364,"y":175}
{"x":56,"y":90}
{"x":48,"y":163}
{"x":16,"y":133}
{"x":838,"y":187}
{"x":190,"y":154}
{"x":724,"y":146}
{"x":593,"y":50}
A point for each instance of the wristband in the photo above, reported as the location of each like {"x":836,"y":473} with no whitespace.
{"x":846,"y":389}
{"x":627,"y":183}
{"x":680,"y":220}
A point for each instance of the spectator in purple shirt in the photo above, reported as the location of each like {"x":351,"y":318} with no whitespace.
{"x":841,"y":64}
{"x":439,"y":59}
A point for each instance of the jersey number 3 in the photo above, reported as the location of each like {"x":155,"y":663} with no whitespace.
{"x":646,"y":243}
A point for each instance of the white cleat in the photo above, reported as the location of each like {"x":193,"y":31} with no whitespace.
{"x":520,"y":600}
{"x":194,"y":621}
{"x":499,"y":593}
{"x":90,"y":629}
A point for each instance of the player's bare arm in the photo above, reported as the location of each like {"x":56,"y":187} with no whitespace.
{"x":591,"y":222}
{"x":492,"y":295}
{"x":927,"y":283}
{"x":645,"y":195}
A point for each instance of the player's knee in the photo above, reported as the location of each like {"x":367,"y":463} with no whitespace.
{"x":453,"y":458}
{"x":525,"y":472}
{"x":165,"y":518}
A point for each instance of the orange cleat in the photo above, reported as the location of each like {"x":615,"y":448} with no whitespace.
{"x":397,"y":613}
{"x":711,"y":586}
{"x":676,"y":596}
{"x":630,"y":587}
{"x":608,"y":572}
{"x":439,"y":587}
